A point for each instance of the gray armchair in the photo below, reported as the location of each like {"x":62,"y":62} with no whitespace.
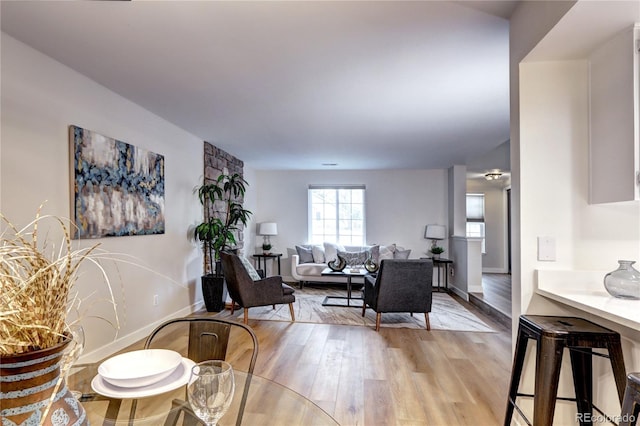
{"x":400,"y":286}
{"x":248,"y":293}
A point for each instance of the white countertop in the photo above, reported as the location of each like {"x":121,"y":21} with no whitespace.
{"x":585,"y":290}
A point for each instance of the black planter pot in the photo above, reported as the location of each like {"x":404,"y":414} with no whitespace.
{"x":214,"y":292}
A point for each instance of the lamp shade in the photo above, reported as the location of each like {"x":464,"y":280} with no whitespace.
{"x":268,"y":228}
{"x":434,"y":232}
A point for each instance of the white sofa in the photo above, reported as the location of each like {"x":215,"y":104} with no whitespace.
{"x":312,"y":271}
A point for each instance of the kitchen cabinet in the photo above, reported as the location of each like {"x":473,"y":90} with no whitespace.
{"x":614,"y":117}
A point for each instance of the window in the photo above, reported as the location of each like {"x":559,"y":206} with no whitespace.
{"x":475,"y":217}
{"x":336,"y":214}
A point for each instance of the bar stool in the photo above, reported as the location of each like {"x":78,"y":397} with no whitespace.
{"x":552,"y":335}
{"x":631,"y":402}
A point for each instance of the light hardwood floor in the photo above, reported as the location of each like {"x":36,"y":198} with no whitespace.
{"x":394,"y":377}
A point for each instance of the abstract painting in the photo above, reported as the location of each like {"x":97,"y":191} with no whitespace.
{"x":118,"y":188}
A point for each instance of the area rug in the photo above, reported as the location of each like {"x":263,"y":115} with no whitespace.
{"x":446,"y":313}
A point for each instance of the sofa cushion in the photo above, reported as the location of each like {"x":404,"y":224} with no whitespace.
{"x":401,"y":254}
{"x":354,"y":258}
{"x":331,"y":251}
{"x":305,"y":254}
{"x":318,"y":254}
{"x":310,"y":269}
{"x":249,"y":268}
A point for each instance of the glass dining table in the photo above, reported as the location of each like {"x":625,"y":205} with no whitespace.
{"x":265,"y":402}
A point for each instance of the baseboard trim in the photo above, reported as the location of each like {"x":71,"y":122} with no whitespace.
{"x":131,"y":338}
{"x":495,"y":271}
{"x":491,"y":311}
{"x":459,"y":292}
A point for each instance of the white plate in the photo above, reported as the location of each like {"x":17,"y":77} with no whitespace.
{"x":139,"y":368}
{"x":179,"y":377}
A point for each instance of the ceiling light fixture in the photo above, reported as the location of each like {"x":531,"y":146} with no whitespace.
{"x":493,"y":175}
{"x":329,"y":164}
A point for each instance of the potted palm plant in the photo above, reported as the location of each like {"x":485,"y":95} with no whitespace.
{"x":223,"y":214}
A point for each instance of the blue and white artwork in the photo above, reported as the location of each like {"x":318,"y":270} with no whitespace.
{"x":118,"y":188}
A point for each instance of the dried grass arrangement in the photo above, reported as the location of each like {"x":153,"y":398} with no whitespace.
{"x":37,"y":283}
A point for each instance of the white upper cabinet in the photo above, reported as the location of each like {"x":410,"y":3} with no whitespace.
{"x":614,"y":149}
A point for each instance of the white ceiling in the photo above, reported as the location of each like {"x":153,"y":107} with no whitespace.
{"x":293,"y":85}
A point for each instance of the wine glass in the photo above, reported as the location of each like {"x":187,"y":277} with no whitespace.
{"x":72,"y":353}
{"x":210,"y":390}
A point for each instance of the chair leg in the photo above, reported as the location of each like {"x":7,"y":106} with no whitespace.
{"x":426,"y":320}
{"x":548,"y":361}
{"x":246,"y":315}
{"x":378,"y":316}
{"x":617,"y":364}
{"x":274,"y":306}
{"x":293,"y":317}
{"x":364,"y":308}
{"x":112,"y":410}
{"x":233,"y":306}
{"x":630,"y":405}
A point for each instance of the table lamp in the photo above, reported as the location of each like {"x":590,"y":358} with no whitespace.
{"x":267,"y":229}
{"x":434,"y":233}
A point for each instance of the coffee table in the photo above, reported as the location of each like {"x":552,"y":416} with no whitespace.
{"x":348,"y":274}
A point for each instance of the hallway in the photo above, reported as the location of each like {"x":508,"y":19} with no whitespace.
{"x":495,"y":300}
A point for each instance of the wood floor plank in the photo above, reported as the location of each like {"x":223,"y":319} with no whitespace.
{"x":325,"y":385}
{"x":405,"y":398}
{"x":393,"y":377}
{"x":377,"y":410}
{"x":350,"y":395}
{"x":437,"y":409}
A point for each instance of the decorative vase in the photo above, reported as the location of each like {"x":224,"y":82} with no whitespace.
{"x":370,"y":265}
{"x":435,"y":255}
{"x":624,"y":282}
{"x":34,"y":392}
{"x":337,"y":265}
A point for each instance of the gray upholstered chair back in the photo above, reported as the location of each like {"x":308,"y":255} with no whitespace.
{"x":403,"y":286}
{"x":237,"y":278}
{"x":248,"y":293}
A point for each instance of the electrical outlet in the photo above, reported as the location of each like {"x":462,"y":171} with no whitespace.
{"x":452,"y":272}
{"x":155,"y":300}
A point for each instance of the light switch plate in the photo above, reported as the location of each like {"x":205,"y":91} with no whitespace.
{"x":547,"y":249}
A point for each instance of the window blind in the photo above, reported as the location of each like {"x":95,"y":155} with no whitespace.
{"x":475,"y":207}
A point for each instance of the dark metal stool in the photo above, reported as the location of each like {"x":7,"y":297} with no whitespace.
{"x":552,"y":335}
{"x":631,"y":402}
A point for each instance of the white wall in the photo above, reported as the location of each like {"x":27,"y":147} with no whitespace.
{"x":40,"y":99}
{"x":399,"y":203}
{"x":529,"y":23}
{"x":550,"y":161}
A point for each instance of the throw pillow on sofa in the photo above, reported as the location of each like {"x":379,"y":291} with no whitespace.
{"x":331,"y":251}
{"x":401,"y":254}
{"x":375,"y":253}
{"x":318,"y":254}
{"x":354,"y":258}
{"x":305,"y":254}
{"x":386,"y":252}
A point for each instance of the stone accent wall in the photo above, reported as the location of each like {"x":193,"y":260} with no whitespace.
{"x":217,"y":162}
